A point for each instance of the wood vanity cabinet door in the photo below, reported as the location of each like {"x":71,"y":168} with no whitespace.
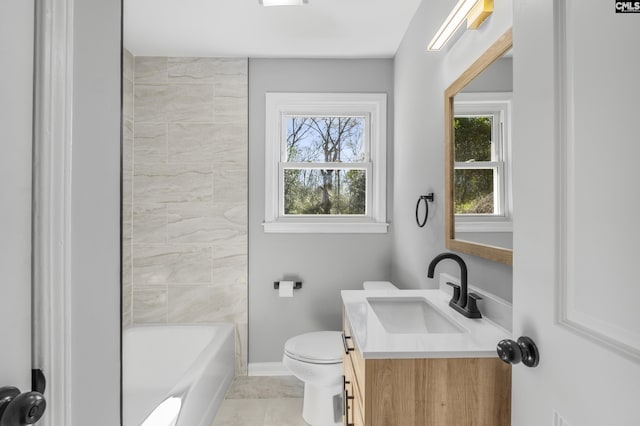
{"x":439,"y":392}
{"x":354,"y":404}
{"x":353,"y":366}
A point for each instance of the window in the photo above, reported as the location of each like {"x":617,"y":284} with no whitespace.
{"x":325,"y":163}
{"x":482,"y":170}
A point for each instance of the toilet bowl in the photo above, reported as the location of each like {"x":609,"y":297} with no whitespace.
{"x":316,"y":359}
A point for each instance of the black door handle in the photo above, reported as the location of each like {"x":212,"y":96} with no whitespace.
{"x":23,"y":409}
{"x":524,"y":350}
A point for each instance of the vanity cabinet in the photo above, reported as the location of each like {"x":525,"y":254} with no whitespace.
{"x":424,"y":391}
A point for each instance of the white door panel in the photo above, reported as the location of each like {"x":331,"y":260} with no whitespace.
{"x":576,"y":143}
{"x":16,"y":89}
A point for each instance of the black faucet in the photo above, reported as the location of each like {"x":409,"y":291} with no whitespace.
{"x":461,"y":301}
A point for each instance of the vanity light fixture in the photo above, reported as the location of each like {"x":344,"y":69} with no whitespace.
{"x":481,"y":11}
{"x":283,"y":2}
{"x":473,"y":11}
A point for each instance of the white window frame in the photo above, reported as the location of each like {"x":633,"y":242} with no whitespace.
{"x":498,"y":105}
{"x":372,"y":106}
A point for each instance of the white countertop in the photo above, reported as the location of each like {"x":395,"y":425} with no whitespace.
{"x":478,"y":341}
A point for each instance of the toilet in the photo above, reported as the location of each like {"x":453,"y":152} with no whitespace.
{"x":316,"y":359}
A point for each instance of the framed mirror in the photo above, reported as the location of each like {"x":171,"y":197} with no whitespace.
{"x":478,"y":217}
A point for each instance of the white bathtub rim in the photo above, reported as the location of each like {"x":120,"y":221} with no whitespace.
{"x":186,"y":384}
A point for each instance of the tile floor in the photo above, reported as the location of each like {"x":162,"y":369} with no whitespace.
{"x":262,"y":401}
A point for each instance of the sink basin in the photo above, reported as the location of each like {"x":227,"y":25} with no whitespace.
{"x":411,"y":315}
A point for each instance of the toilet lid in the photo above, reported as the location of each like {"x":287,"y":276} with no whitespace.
{"x":320,"y":347}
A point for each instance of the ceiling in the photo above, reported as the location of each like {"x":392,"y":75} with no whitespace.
{"x":320,"y":29}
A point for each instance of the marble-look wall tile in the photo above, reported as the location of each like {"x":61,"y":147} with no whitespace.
{"x":172,"y":183}
{"x":234,"y":214}
{"x":230,"y":263}
{"x":206,"y":223}
{"x":151,"y":69}
{"x":230,"y":186}
{"x":230,"y":109}
{"x":234,"y":246}
{"x":231,"y":149}
{"x":190,"y":303}
{"x":189,"y":103}
{"x":195,"y":223}
{"x":127,"y":161}
{"x":171,"y":263}
{"x":187,"y":179}
{"x":192,"y":70}
{"x":127,"y":182}
{"x":127,"y":100}
{"x":149,"y":304}
{"x":231,"y":66}
{"x":234,"y":86}
{"x":242,"y":338}
{"x":176,"y":103}
{"x":127,"y":65}
{"x":127,"y":222}
{"x":192,"y":142}
{"x":150,"y":103}
{"x":127,"y":145}
{"x":150,"y":143}
{"x":127,"y":186}
{"x":230,"y":269}
{"x":127,"y":281}
{"x":196,"y":303}
{"x":127,"y":304}
{"x":150,"y":223}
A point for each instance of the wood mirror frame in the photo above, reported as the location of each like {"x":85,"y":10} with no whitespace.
{"x":498,"y":254}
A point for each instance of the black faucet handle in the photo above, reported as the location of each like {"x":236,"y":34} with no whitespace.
{"x":472,"y":306}
{"x":456,"y":292}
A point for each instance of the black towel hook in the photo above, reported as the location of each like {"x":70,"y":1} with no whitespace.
{"x":427,"y":198}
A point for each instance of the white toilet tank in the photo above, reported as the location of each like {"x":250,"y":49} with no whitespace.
{"x":378,"y":285}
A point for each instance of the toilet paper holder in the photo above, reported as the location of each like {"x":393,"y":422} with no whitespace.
{"x":296,"y":286}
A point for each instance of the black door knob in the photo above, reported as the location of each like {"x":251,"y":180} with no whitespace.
{"x":524,"y":350}
{"x":7,"y":394}
{"x":24,"y":409}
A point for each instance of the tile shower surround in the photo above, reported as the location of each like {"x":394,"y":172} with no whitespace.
{"x":185,"y":192}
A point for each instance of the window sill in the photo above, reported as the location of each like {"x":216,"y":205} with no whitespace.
{"x":325,"y":228}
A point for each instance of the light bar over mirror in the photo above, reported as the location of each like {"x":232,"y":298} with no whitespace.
{"x":473,"y":11}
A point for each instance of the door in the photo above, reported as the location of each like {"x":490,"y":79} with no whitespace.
{"x":16,"y":82}
{"x":575,"y":154}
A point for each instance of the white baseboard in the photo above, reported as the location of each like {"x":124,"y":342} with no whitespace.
{"x":267,"y":369}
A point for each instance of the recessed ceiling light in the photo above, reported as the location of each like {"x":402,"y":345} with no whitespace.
{"x":283,"y":2}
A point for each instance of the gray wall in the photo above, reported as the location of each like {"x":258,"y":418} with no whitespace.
{"x":94,"y":269}
{"x":325,"y":263}
{"x":420,"y":79}
{"x":497,"y":78}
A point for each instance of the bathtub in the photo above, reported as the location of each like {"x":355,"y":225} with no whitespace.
{"x":176,"y":375}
